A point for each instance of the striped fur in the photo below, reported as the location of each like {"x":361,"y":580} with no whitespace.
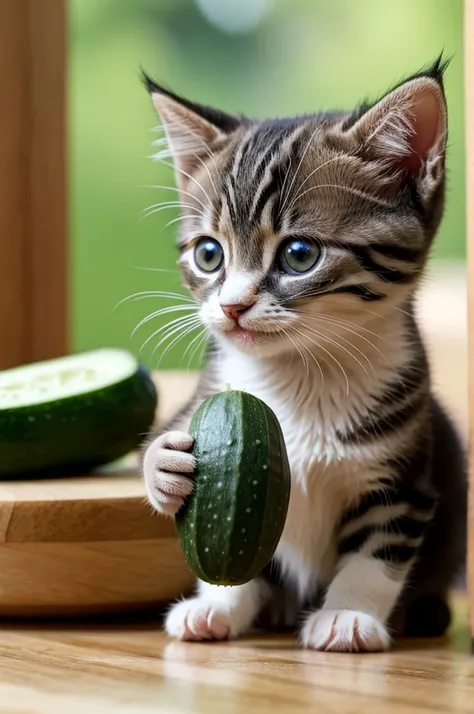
{"x":377,"y":513}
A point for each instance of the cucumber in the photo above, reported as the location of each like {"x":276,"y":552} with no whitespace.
{"x":69,"y":415}
{"x":230,"y":525}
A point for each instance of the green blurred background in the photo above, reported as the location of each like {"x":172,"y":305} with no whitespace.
{"x":258,"y":57}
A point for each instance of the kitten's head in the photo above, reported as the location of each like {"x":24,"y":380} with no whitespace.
{"x":292,"y":228}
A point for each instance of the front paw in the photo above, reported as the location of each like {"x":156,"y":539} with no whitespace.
{"x":167,"y":469}
{"x":199,"y":619}
{"x":344,"y":631}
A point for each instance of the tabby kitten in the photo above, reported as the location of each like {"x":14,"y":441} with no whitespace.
{"x":303,"y":241}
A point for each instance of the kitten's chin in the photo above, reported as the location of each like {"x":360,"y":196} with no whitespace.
{"x":260,"y":344}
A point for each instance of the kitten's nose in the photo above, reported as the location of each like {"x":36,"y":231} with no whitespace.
{"x":236,"y":310}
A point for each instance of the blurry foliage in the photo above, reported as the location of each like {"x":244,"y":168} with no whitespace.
{"x":304,"y":56}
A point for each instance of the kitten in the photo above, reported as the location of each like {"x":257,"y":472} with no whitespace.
{"x":303,"y":241}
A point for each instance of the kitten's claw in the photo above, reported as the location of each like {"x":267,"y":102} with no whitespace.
{"x":344,"y":631}
{"x":167,"y":467}
{"x":199,"y":619}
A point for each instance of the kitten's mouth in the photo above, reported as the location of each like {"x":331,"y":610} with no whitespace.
{"x":253,"y":336}
{"x":243,"y":335}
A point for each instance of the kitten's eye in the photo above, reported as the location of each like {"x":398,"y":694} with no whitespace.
{"x":208,"y":255}
{"x":297,"y":255}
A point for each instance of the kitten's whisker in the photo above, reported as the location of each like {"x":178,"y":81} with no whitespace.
{"x":195,"y":340}
{"x":346,"y":341}
{"x":182,"y":217}
{"x":201,"y":143}
{"x":196,"y":212}
{"x":152,"y":294}
{"x":341,"y":187}
{"x":347,"y":326}
{"x":323,"y":333}
{"x":163,"y":311}
{"x":330,"y":355}
{"x":315,"y":171}
{"x":170,"y":328}
{"x":338,"y":322}
{"x":282,"y":192}
{"x":293,"y":342}
{"x":180,"y":191}
{"x":173,"y":342}
{"x":205,"y":166}
{"x":155,"y":270}
{"x":188,"y":176}
{"x":288,"y":193}
{"x":313,"y":357}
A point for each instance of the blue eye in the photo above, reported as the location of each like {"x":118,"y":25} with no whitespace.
{"x":208,"y":255}
{"x":297,"y":255}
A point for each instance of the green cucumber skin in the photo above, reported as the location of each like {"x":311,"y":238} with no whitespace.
{"x":75,"y":434}
{"x":230,"y":525}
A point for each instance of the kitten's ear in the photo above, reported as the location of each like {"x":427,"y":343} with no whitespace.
{"x":405,"y":132}
{"x":190,"y":129}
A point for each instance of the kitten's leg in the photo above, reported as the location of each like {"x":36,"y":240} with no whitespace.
{"x":378,"y":546}
{"x":217,"y":612}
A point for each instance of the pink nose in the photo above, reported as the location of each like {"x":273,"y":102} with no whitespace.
{"x":235,"y":311}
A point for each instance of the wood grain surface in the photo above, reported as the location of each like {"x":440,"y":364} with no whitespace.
{"x":130,"y":667}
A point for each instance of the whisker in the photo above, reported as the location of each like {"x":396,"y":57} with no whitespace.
{"x":154,"y":293}
{"x":197,"y":339}
{"x":182,"y":217}
{"x":293,"y":342}
{"x":329,"y":354}
{"x":315,"y":360}
{"x":315,"y":171}
{"x":341,"y":187}
{"x":155,"y":270}
{"x":180,"y":322}
{"x":288,"y":193}
{"x":341,"y":347}
{"x":347,"y":326}
{"x":164,"y":207}
{"x":359,"y":351}
{"x":173,"y":342}
{"x":180,"y":191}
{"x":170,"y":328}
{"x":201,"y":143}
{"x":189,"y":176}
{"x":163,"y":311}
{"x":201,"y":345}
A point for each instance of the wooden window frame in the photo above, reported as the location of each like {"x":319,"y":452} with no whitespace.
{"x":33,"y":185}
{"x":469,"y":89}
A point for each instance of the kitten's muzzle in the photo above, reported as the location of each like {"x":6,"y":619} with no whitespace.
{"x":236,"y":310}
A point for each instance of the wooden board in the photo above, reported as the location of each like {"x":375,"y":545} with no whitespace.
{"x":91,"y":544}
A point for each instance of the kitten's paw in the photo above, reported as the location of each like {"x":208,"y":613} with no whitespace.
{"x":200,"y":619}
{"x":344,"y":631}
{"x":167,"y":467}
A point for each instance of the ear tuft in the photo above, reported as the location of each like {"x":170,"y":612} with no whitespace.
{"x":405,"y":129}
{"x":191,"y":130}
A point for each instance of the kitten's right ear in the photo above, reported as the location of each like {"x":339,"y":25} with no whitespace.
{"x":190,"y":129}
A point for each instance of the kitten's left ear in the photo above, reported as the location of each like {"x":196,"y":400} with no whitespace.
{"x":405,"y":132}
{"x":191,"y":129}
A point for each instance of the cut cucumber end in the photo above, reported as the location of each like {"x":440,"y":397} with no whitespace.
{"x":64,"y":377}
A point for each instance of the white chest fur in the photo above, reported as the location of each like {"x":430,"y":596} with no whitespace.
{"x":326,"y":476}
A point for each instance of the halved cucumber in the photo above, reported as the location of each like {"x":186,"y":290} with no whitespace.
{"x":71,"y":414}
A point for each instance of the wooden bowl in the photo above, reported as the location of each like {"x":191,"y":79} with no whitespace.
{"x":90,"y":545}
